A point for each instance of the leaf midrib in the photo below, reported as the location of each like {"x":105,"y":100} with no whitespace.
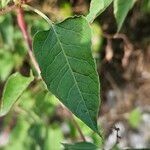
{"x":72,"y":73}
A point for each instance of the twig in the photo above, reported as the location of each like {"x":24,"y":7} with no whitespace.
{"x":118,"y":136}
{"x":119,"y":36}
{"x":77,"y":126}
{"x":25,"y":6}
{"x":23,"y":27}
{"x":12,"y":7}
{"x":128,"y":47}
{"x":109,"y":50}
{"x":7,"y":9}
{"x":70,"y":115}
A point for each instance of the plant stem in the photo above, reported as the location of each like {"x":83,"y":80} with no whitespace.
{"x":74,"y":122}
{"x":38,"y":12}
{"x":7,"y":9}
{"x":77,"y":127}
{"x":23,"y":27}
{"x":11,"y":7}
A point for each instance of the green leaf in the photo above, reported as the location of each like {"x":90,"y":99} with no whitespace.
{"x":96,"y":8}
{"x":68,"y":68}
{"x":121,"y":9}
{"x":6,"y":26}
{"x":6,"y":59}
{"x":135,"y":118}
{"x":15,"y":86}
{"x":18,"y":137}
{"x":97,"y":38}
{"x":53,"y":139}
{"x":145,"y":6}
{"x":65,"y":10}
{"x":80,"y":146}
{"x":37,"y":133}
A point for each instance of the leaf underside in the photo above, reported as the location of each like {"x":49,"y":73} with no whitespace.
{"x":96,"y":8}
{"x":14,"y":87}
{"x":68,"y":68}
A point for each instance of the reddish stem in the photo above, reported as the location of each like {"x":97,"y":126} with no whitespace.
{"x":23,"y":27}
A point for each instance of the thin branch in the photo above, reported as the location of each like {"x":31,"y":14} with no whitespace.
{"x":77,"y":126}
{"x":38,"y":12}
{"x":109,"y":50}
{"x":8,"y":9}
{"x":119,"y":36}
{"x":12,"y":7}
{"x":71,"y":117}
{"x":128,"y":47}
{"x":23,"y":27}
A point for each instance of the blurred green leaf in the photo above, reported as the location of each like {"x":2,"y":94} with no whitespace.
{"x":15,"y":86}
{"x":145,"y":6}
{"x":43,"y":105}
{"x":80,"y":146}
{"x":27,"y":100}
{"x":115,"y":147}
{"x":96,"y":8}
{"x":37,"y":132}
{"x":68,"y":68}
{"x":4,"y":3}
{"x":6,"y":26}
{"x":6,"y":64}
{"x":65,"y":10}
{"x":97,"y":38}
{"x":135,"y":118}
{"x":121,"y":9}
{"x":53,"y":139}
{"x":19,"y":139}
{"x":37,"y":25}
{"x":18,"y":60}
